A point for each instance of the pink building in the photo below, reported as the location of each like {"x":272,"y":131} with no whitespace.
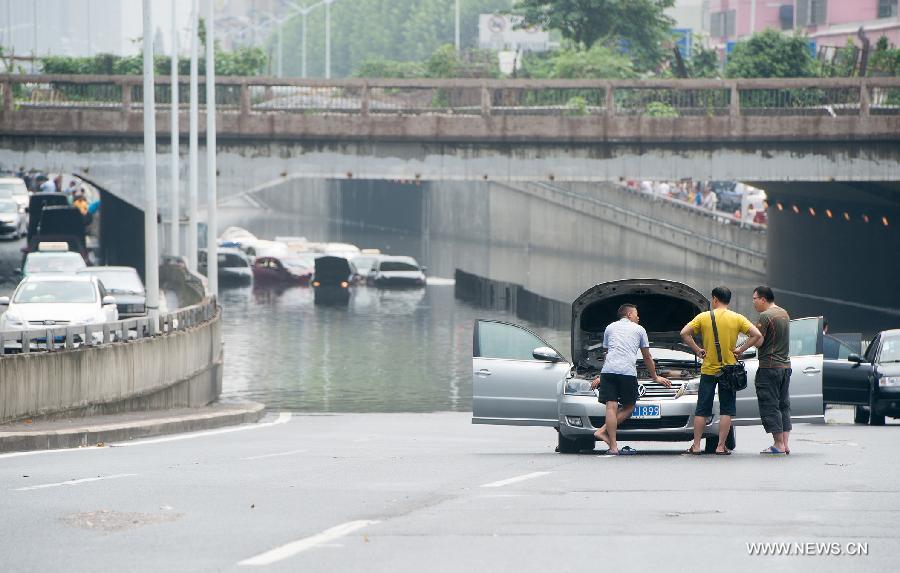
{"x":828,"y":22}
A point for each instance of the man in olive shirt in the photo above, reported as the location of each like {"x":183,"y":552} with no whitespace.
{"x":728,"y":324}
{"x":773,"y":377}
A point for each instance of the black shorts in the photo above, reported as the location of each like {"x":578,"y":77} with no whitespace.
{"x":707,"y":395}
{"x":618,"y":388}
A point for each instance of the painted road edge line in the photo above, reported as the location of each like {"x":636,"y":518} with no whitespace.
{"x":277,"y":455}
{"x":301,"y":545}
{"x":73,"y":482}
{"x":283,"y":418}
{"x":516,"y":479}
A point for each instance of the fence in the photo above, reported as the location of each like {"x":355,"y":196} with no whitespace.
{"x":51,"y":338}
{"x":472,"y":97}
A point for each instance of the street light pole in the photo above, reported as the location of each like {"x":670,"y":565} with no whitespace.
{"x":192,"y":140}
{"x":174,"y":232}
{"x":457,"y":27}
{"x":280,"y":49}
{"x":212,"y":255}
{"x":328,"y":39}
{"x":151,"y":252}
{"x":303,"y":72}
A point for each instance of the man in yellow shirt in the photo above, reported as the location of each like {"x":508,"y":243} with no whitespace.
{"x":729,"y":324}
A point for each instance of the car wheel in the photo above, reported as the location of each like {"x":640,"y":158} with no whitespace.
{"x":874,"y":419}
{"x":730,"y":441}
{"x":709,"y":444}
{"x":861,"y":415}
{"x":567,"y":446}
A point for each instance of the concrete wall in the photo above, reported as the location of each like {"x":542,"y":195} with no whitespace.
{"x":174,"y":370}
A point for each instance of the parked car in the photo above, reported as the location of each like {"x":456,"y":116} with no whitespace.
{"x":870,"y":382}
{"x":397,"y":272}
{"x":13,"y":219}
{"x":234,"y":266}
{"x":15,"y":189}
{"x":332,"y":280}
{"x":125,"y":284}
{"x":290,"y":269}
{"x":365,"y":265}
{"x":57,"y":300}
{"x":519,"y":379}
{"x":52,"y":257}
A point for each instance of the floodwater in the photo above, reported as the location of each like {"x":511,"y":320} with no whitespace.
{"x":385,"y":351}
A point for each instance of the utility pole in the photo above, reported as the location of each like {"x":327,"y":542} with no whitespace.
{"x":174,"y":232}
{"x":151,"y":249}
{"x":212,"y":255}
{"x":328,"y":39}
{"x":457,"y":27}
{"x":192,"y":139}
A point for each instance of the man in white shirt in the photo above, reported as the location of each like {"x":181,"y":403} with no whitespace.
{"x":618,"y":377}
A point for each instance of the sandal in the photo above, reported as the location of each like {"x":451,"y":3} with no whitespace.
{"x":691,"y":451}
{"x":723,"y":453}
{"x":772,"y":451}
{"x":627,"y":451}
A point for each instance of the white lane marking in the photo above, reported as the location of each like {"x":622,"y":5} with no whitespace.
{"x":283,"y":418}
{"x":516,"y":479}
{"x":73,"y":482}
{"x":295,"y":547}
{"x":273,"y":455}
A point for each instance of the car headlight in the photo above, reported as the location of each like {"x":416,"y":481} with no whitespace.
{"x":13,"y":320}
{"x":691,"y":388}
{"x":887,"y":381}
{"x":578,"y":387}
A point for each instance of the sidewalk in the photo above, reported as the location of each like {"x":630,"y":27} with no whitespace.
{"x":27,"y":435}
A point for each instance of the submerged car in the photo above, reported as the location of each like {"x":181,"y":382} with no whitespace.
{"x":233,"y":264}
{"x":125,"y":285}
{"x":332,"y":280}
{"x":397,"y":272}
{"x":13,"y":220}
{"x":519,"y":379}
{"x":57,"y":300}
{"x":289,"y":269}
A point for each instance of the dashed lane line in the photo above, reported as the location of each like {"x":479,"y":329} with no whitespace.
{"x":293,"y":548}
{"x":277,"y":455}
{"x":516,"y":479}
{"x":73,"y":482}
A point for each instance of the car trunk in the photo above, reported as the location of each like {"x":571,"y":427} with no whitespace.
{"x":664,"y":308}
{"x":332,"y":271}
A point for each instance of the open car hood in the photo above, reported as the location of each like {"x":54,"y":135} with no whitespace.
{"x":664,"y":307}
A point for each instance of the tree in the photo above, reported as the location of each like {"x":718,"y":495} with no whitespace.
{"x":599,"y":62}
{"x":639,"y":27}
{"x":771,"y":54}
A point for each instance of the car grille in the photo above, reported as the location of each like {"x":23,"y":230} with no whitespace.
{"x":655,"y":424}
{"x":654,"y":391}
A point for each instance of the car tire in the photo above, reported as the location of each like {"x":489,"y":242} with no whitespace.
{"x":711,"y":442}
{"x":730,"y":441}
{"x":861,"y":415}
{"x":567,"y":446}
{"x":874,"y":419}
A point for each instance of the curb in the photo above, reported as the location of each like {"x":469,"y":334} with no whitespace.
{"x":87,"y":435}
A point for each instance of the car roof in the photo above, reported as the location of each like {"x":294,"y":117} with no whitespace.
{"x":11,"y":180}
{"x":891,"y":332}
{"x":57,"y":277}
{"x":398,"y":258}
{"x":88,"y":270}
{"x":55,"y":253}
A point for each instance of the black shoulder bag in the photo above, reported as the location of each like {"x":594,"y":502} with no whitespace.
{"x":731,"y":376}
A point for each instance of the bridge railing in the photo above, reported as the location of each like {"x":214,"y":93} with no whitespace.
{"x":473,"y":97}
{"x":54,"y":338}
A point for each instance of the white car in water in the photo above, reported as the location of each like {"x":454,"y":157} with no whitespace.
{"x":53,"y":300}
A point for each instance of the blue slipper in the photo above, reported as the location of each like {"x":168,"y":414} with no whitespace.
{"x":627,"y":451}
{"x":772,"y":450}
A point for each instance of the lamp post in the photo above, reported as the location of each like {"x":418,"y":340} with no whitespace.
{"x":328,"y":38}
{"x":192,"y":139}
{"x":456,"y":35}
{"x":151,"y":252}
{"x":304,"y":12}
{"x":174,"y":232}
{"x":212,"y":255}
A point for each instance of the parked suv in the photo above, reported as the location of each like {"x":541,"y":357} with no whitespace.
{"x":519,"y":379}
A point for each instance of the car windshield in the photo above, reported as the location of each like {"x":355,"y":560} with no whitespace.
{"x":6,"y":192}
{"x":120,"y":281}
{"x":299,"y":262}
{"x":53,"y":262}
{"x":8,"y":206}
{"x":364,"y":264}
{"x":890,"y":350}
{"x":56,"y":291}
{"x":231,"y":260}
{"x":397,"y":266}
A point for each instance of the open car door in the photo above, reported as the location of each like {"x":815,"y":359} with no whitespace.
{"x":806,"y":377}
{"x":511,"y":383}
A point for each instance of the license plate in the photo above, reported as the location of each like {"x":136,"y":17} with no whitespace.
{"x":646,"y":411}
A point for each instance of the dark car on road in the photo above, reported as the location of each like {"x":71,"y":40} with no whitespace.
{"x":870,"y":382}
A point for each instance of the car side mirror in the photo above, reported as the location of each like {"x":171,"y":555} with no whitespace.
{"x":4,"y":301}
{"x":855,"y":358}
{"x":108,"y":299}
{"x":546,"y":354}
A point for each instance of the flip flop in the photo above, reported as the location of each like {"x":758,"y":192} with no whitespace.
{"x":692,"y":452}
{"x":772,"y":451}
{"x":725,"y":453}
{"x":627,"y":451}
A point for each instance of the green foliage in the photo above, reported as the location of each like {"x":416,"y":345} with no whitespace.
{"x":381,"y":68}
{"x":241,"y":62}
{"x":577,"y":106}
{"x":443,"y":63}
{"x":704,"y":63}
{"x":660,"y":109}
{"x":884,"y":60}
{"x":640,"y":25}
{"x":599,"y":62}
{"x":771,"y":54}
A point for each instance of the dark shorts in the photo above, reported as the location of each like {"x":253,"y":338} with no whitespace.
{"x":618,"y":388}
{"x":707,"y":395}
{"x":773,"y":392}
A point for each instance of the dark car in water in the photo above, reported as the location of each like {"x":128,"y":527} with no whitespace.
{"x":332,"y":280}
{"x":870,"y":382}
{"x":234,"y":266}
{"x":125,"y":285}
{"x":284,"y":270}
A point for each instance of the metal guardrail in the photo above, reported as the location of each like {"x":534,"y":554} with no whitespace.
{"x":51,"y":339}
{"x":822,"y":97}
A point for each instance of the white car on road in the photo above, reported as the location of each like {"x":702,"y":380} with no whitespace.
{"x":13,"y":220}
{"x":53,"y":300}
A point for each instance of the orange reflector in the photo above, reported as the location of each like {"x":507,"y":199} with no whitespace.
{"x":865,"y":218}
{"x":884,"y":221}
{"x":796,"y":209}
{"x":828,"y":213}
{"x":316,"y":283}
{"x":846,"y":216}
{"x":812,"y":212}
{"x":780,"y":206}
{"x":344,"y":284}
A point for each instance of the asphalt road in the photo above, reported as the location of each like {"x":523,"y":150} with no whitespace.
{"x":406,"y":492}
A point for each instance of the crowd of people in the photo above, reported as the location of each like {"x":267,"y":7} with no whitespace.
{"x":703,"y":195}
{"x":81,"y":197}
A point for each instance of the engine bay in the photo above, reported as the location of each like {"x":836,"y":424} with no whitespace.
{"x":674,"y":361}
